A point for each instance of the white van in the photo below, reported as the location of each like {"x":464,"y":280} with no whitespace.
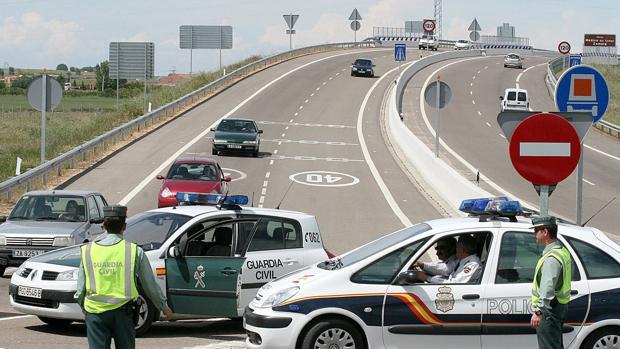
{"x":515,"y":99}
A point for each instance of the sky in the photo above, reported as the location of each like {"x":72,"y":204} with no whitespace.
{"x":45,"y":33}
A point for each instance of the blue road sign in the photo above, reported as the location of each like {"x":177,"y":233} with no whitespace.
{"x":574,"y":60}
{"x":400,"y":52}
{"x":582,"y":88}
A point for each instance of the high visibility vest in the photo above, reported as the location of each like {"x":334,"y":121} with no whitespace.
{"x":109,"y":271}
{"x":563,"y":293}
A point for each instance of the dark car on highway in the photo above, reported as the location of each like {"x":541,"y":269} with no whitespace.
{"x":362,"y":66}
{"x":236,"y":135}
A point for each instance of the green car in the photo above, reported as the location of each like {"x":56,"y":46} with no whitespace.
{"x":236,"y":135}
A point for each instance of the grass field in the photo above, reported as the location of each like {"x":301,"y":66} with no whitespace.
{"x":18,"y":104}
{"x":612,"y":75}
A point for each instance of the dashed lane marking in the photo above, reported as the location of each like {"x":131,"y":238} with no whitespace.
{"x":306,"y":141}
{"x":312,"y":158}
{"x":488,"y":124}
{"x":473,"y":102}
{"x":587,"y":181}
{"x":302,"y":124}
{"x":479,"y":113}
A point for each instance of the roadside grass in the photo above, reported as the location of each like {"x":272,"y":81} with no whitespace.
{"x":77,"y":120}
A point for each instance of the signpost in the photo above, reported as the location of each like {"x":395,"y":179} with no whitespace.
{"x":205,"y":37}
{"x":400,"y":52}
{"x":290,"y":22}
{"x":544,"y":149}
{"x":355,"y":17}
{"x":564,"y":49}
{"x":574,"y":59}
{"x":44,"y":94}
{"x":132,"y":61}
{"x":428,"y":25}
{"x":437,"y":94}
{"x":474,"y":28}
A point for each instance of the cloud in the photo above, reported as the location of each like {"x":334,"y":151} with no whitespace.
{"x":32,"y":30}
{"x":137,"y":37}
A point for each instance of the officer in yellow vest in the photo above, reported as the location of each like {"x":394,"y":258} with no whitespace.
{"x":107,"y":279}
{"x":551,"y":285}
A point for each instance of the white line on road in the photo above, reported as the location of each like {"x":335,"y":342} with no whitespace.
{"x":519,"y":76}
{"x":279,"y":143}
{"x":501,"y":135}
{"x":324,"y":83}
{"x":330,"y":78}
{"x":312,"y":94}
{"x":301,"y":107}
{"x":587,"y":181}
{"x":296,"y":114}
{"x":601,"y":152}
{"x":473,"y":102}
{"x":302,"y":124}
{"x":270,"y":162}
{"x":284,"y":134}
{"x":275,"y":151}
{"x":267,"y":174}
{"x":318,"y":88}
{"x":337,"y":74}
{"x":488,"y":124}
{"x":286,"y":128}
{"x":306,"y":101}
{"x":486,"y":67}
{"x":471,"y":84}
{"x":473,"y":77}
{"x":16,"y":317}
{"x":471,"y":93}
{"x":263,"y":191}
{"x":291,"y":120}
{"x":479,"y":113}
{"x":478,"y":72}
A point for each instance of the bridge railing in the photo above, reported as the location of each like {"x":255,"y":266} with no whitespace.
{"x":41,"y":175}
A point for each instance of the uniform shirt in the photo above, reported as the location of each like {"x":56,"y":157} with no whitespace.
{"x":144,"y":273}
{"x":440,"y":271}
{"x":551,"y":277}
{"x":469,"y":269}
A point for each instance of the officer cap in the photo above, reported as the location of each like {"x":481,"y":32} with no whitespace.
{"x":542,"y":222}
{"x":115,"y":211}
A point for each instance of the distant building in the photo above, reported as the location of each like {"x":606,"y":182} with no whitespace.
{"x":173,"y":79}
{"x":506,"y":31}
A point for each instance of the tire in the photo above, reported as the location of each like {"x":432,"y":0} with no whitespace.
{"x":333,"y":333}
{"x":148,"y":315}
{"x":213,"y":151}
{"x":55,"y":323}
{"x":352,"y":74}
{"x":2,"y":270}
{"x":606,"y":337}
{"x":255,"y":153}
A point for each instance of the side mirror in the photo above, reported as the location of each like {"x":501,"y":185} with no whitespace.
{"x":501,"y":98}
{"x":160,"y":177}
{"x":96,"y":220}
{"x":260,"y":131}
{"x":173,"y":251}
{"x":213,"y":129}
{"x":374,"y":65}
{"x":406,"y":278}
{"x":227,"y":179}
{"x":2,"y":219}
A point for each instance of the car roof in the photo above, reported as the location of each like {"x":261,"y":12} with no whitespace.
{"x":61,"y":192}
{"x":239,"y":119}
{"x":512,"y":53}
{"x":363,"y":58}
{"x":197,"y":158}
{"x":515,"y":90}
{"x":197,"y":210}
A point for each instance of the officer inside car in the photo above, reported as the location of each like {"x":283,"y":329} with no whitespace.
{"x":110,"y":271}
{"x":551,"y":285}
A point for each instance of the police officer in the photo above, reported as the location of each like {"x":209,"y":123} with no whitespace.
{"x":551,"y":285}
{"x":110,"y":269}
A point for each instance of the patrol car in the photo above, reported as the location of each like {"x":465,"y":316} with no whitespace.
{"x":369,"y":297}
{"x":208,"y":260}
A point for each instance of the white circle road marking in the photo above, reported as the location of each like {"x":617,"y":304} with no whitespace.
{"x":323,"y":179}
{"x":239,"y":174}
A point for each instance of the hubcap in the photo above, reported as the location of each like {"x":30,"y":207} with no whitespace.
{"x":334,"y":338}
{"x":143,"y":313}
{"x":610,"y":341}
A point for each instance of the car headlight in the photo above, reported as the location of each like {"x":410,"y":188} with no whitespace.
{"x":279,"y":297}
{"x":69,"y":275}
{"x":166,"y":193}
{"x":62,"y":241}
{"x":249,"y":142}
{"x":218,"y":141}
{"x":20,"y":270}
{"x":354,"y":68}
{"x":2,"y":240}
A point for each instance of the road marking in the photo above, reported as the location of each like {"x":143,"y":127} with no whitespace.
{"x":16,"y":317}
{"x":227,"y":172}
{"x":501,"y":135}
{"x":473,"y":77}
{"x":344,"y":69}
{"x":265,"y":183}
{"x":471,"y":84}
{"x":301,"y":107}
{"x":478,"y":72}
{"x":305,"y":141}
{"x":275,"y":151}
{"x":318,"y":88}
{"x":261,"y":201}
{"x":291,"y":120}
{"x":337,"y":74}
{"x":486,"y":67}
{"x":517,"y":85}
{"x":263,"y":191}
{"x":271,"y":162}
{"x":284,"y":134}
{"x":296,"y":114}
{"x":479,"y":113}
{"x":330,"y":78}
{"x":286,"y":128}
{"x":324,"y":83}
{"x":601,"y":152}
{"x":488,"y":124}
{"x":519,"y":76}
{"x":302,"y":124}
{"x":473,"y":102}
{"x":587,"y":181}
{"x":312,"y":158}
{"x":306,"y":101}
{"x":279,"y":143}
{"x":267,"y":174}
{"x":324,"y":179}
{"x":471,"y":93}
{"x":149,"y":178}
{"x":312,"y":94}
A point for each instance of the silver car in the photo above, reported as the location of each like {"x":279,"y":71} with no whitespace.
{"x":46,"y":220}
{"x":513,"y":60}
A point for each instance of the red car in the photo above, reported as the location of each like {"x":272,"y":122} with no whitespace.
{"x":191,"y":173}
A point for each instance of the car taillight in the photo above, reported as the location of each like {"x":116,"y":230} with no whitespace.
{"x":330,"y":254}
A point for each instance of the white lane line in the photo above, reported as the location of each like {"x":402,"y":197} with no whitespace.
{"x":291,"y":120}
{"x":488,"y":124}
{"x":267,"y":174}
{"x":587,"y":181}
{"x":471,"y":93}
{"x":473,"y":102}
{"x":324,"y":83}
{"x":479,"y":113}
{"x":263,"y":191}
{"x":318,"y":88}
{"x":373,"y":169}
{"x":312,"y":94}
{"x":520,"y":75}
{"x":486,"y":67}
{"x":279,"y":143}
{"x":306,"y":141}
{"x":261,"y":201}
{"x":286,"y":128}
{"x":501,"y":135}
{"x":601,"y":152}
{"x":270,"y":162}
{"x":201,"y":136}
{"x":473,"y":77}
{"x":283,"y":135}
{"x":344,"y":69}
{"x":330,"y":78}
{"x":337,"y":74}
{"x":296,"y":114}
{"x":16,"y":317}
{"x":471,"y":84}
{"x":517,"y":85}
{"x":301,"y":107}
{"x":265,"y":183}
{"x":275,"y":151}
{"x":478,"y":72}
{"x":301,"y":124}
{"x":306,"y":101}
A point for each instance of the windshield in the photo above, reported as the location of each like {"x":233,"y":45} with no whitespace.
{"x":237,"y":126}
{"x":150,"y":229}
{"x":463,"y":41}
{"x":363,"y":62}
{"x":68,"y":256}
{"x":66,"y":208}
{"x":513,"y":57}
{"x":375,"y":247}
{"x":522,"y":97}
{"x":193,"y":171}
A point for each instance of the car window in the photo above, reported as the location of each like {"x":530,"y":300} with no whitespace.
{"x":513,"y":56}
{"x":93,"y":210}
{"x":274,"y":233}
{"x":518,"y":256}
{"x":512,"y":95}
{"x":150,"y":229}
{"x":384,"y":270}
{"x":522,"y":96}
{"x":597,"y":263}
{"x":101,"y":203}
{"x":48,"y":207}
{"x":213,"y":241}
{"x":364,"y":62}
{"x":193,"y":171}
{"x":245,"y":126}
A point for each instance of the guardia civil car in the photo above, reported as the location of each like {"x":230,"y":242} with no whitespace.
{"x":370,"y":298}
{"x":208,"y":260}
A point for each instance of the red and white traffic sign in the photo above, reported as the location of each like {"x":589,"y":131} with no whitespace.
{"x":428,"y":25}
{"x":564,"y":47}
{"x":545,"y":148}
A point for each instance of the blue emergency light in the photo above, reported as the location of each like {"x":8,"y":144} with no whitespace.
{"x":500,"y":206}
{"x":211,"y":199}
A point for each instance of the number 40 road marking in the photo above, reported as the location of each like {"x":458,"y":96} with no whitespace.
{"x":324,"y":179}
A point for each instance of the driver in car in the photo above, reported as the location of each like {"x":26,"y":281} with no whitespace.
{"x":468,"y":269}
{"x":438,"y":272}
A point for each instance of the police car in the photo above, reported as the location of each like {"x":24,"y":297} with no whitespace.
{"x":208,"y":260}
{"x":368,"y":298}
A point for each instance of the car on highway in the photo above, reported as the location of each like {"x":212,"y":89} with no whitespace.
{"x":428,"y":42}
{"x":462,"y":45}
{"x":515,"y":99}
{"x":191,"y":173}
{"x":513,"y":60}
{"x":362,"y":66}
{"x":236,"y":135}
{"x":208,"y":260}
{"x":42,"y":221}
{"x":370,"y":297}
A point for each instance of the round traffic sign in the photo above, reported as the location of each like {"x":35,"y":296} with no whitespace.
{"x":474,"y":36}
{"x":582,"y":88}
{"x":428,"y":25}
{"x":564,"y":47}
{"x":356,"y":25}
{"x":53,"y":93}
{"x":430,"y":94}
{"x":544,"y":149}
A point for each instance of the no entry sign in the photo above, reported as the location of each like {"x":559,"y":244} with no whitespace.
{"x":545,"y":149}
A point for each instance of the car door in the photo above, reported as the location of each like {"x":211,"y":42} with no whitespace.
{"x":507,"y":299}
{"x":201,"y":284}
{"x":437,"y":314}
{"x":95,"y":215}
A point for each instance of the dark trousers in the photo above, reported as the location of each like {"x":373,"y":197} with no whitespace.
{"x":549,"y":333}
{"x":117,"y":324}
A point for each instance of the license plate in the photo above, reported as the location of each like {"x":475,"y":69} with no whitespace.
{"x":234,"y":146}
{"x":27,"y":253}
{"x":29,"y":292}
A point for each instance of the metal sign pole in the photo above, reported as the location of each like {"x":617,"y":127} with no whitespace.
{"x":579,"y":187}
{"x":43,"y":116}
{"x":191,"y":47}
{"x":118,"y":68}
{"x":145,"y":103}
{"x":220,"y":48}
{"x":190,"y":62}
{"x":437,"y":104}
{"x":544,"y":200}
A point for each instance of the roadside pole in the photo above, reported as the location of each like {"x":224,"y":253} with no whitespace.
{"x":437,"y":107}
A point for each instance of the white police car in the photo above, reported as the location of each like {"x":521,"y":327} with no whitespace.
{"x":209,"y":260}
{"x":367,"y":298}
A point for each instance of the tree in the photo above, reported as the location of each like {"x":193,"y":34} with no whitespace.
{"x":83,"y":87}
{"x":21,"y":82}
{"x":2,"y":84}
{"x":1,"y":72}
{"x":61,"y":80}
{"x":103,"y":72}
{"x":11,"y":71}
{"x":62,"y":67}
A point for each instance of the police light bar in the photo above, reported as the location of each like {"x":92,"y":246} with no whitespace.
{"x":211,"y":199}
{"x":491,"y":206}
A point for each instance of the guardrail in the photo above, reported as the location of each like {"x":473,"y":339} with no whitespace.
{"x":40,"y":175}
{"x":557,"y":65}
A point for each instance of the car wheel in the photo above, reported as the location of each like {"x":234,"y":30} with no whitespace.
{"x":146,"y":316}
{"x":333,"y":333}
{"x":56,"y":323}
{"x":2,"y":270}
{"x":352,"y":74}
{"x":606,"y":337}
{"x":213,"y":151}
{"x":255,"y":153}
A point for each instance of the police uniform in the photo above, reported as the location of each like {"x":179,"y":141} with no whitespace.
{"x":107,"y":287}
{"x":467,"y":270}
{"x":551,"y":289}
{"x":440,"y":271}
